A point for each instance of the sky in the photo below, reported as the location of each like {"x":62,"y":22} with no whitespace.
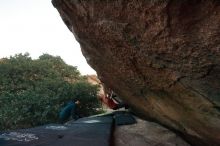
{"x":35,"y":26}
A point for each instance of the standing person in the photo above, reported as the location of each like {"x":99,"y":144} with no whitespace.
{"x":69,"y":111}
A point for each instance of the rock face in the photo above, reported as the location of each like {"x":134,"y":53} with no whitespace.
{"x":93,"y":79}
{"x":161,"y":57}
{"x":145,"y":133}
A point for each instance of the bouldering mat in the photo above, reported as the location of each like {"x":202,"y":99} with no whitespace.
{"x":123,"y":118}
{"x":95,"y":120}
{"x":74,"y":134}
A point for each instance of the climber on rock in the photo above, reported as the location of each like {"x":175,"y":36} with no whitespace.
{"x":117,"y":100}
{"x":70,"y":110}
{"x":110,"y":103}
{"x":111,"y":99}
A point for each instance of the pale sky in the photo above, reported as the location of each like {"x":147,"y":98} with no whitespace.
{"x":36,"y":27}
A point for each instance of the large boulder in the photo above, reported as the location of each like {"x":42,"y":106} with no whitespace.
{"x":160,"y":56}
{"x":145,"y":133}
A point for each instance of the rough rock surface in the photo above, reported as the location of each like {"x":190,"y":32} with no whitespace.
{"x":93,"y":79}
{"x":145,"y":133}
{"x":160,"y":56}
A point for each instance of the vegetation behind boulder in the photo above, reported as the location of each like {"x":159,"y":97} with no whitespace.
{"x":32,"y":92}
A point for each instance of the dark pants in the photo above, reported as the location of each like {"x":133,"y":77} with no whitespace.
{"x":121,"y":105}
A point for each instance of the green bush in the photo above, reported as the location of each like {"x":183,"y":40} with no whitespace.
{"x":88,"y":98}
{"x":32,"y":92}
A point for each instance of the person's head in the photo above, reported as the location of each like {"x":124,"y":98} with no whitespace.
{"x":77,"y":102}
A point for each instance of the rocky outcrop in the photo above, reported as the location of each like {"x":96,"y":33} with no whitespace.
{"x":145,"y":133}
{"x":161,"y":57}
{"x":93,"y":79}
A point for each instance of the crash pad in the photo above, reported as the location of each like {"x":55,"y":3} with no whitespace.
{"x":80,"y":133}
{"x":123,"y":118}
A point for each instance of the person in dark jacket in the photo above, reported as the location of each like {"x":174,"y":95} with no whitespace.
{"x":69,"y":111}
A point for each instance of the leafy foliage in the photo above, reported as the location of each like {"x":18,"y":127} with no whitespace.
{"x":33,"y":91}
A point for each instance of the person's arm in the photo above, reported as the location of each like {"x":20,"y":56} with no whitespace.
{"x":113,"y":97}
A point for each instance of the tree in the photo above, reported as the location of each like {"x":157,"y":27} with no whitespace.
{"x":33,"y":91}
